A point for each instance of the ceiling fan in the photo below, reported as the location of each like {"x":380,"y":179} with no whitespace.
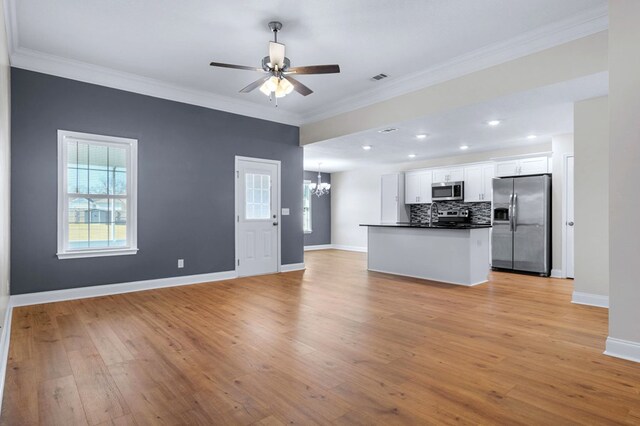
{"x":277,"y":80}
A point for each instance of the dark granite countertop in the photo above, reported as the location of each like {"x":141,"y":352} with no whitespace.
{"x":428,"y":226}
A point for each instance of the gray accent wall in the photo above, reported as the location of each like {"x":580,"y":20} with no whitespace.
{"x":320,"y":214}
{"x":185,"y":181}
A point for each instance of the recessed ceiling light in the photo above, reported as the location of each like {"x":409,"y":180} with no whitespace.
{"x":494,"y":122}
{"x":531,"y":137}
{"x":388,"y":130}
{"x":464,"y":147}
{"x":422,"y":136}
{"x":412,"y":156}
{"x":366,"y":147}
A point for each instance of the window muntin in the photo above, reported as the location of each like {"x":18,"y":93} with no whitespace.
{"x":96,"y":195}
{"x":306,"y":207}
{"x":258,"y":196}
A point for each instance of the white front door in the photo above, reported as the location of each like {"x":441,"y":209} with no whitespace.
{"x":257,"y":218}
{"x":570,"y":219}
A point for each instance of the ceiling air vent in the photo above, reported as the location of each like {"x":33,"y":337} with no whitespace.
{"x":387,"y":130}
{"x":379,"y":77}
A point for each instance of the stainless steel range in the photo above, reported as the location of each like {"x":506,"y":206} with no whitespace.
{"x":452,"y":217}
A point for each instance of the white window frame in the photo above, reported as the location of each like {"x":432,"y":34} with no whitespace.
{"x":64,"y":252}
{"x":310,"y":230}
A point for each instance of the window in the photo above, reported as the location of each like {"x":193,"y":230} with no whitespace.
{"x":306,"y":207}
{"x":258,"y":198}
{"x":97,"y":182}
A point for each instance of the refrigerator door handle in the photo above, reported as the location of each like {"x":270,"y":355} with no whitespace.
{"x":511,"y":212}
{"x":515,"y":212}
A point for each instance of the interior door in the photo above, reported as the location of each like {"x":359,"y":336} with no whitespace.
{"x":257,"y":219}
{"x":570,"y":219}
{"x":531,"y":224}
{"x":502,"y":236}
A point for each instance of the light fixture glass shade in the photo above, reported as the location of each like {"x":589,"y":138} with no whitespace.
{"x":313,"y":186}
{"x":288,"y":87}
{"x":272,"y":83}
{"x":265,"y":88}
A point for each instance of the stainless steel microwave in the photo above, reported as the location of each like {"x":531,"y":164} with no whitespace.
{"x":447,"y":191}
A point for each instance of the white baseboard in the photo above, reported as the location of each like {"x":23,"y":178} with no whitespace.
{"x":292,"y":267}
{"x":350,"y":248}
{"x":4,"y":347}
{"x":590,"y":299}
{"x":318,"y":247}
{"x":109,"y":289}
{"x":624,"y":349}
{"x":556,"y":273}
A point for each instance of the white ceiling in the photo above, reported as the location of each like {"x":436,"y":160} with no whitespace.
{"x":156,"y":42}
{"x":544,"y":112}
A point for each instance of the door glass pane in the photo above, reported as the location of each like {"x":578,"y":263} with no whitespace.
{"x":258,"y":199}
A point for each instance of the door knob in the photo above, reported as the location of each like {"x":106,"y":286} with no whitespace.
{"x":570,"y":223}
{"x":275,"y":223}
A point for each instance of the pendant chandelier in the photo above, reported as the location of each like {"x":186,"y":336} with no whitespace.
{"x":321,"y":188}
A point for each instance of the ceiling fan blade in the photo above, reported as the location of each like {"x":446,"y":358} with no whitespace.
{"x":315,"y":69}
{"x":299,"y":87}
{"x":254,"y":85}
{"x":276,"y":54}
{"x":235,"y":67}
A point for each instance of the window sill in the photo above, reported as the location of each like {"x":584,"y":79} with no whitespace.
{"x":96,"y":253}
{"x":308,"y":232}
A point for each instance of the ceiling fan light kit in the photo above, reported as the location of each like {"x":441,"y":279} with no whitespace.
{"x":278,"y":82}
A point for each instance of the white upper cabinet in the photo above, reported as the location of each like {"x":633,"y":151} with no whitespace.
{"x":521,"y":167}
{"x":473,"y":183}
{"x":448,"y":175}
{"x":478,"y":182}
{"x":418,"y":187}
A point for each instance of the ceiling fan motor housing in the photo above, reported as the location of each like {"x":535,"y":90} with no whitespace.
{"x":266,"y":60}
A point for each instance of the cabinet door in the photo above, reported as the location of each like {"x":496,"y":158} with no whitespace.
{"x":412,"y":188}
{"x":426,"y":179}
{"x":389,"y":198}
{"x":488,"y":173}
{"x":473,"y":184}
{"x":507,"y":168}
{"x":440,"y":175}
{"x":456,"y":175}
{"x":533,"y":166}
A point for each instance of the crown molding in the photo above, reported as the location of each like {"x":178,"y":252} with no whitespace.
{"x":49,"y":64}
{"x":578,"y":26}
{"x":582,"y":25}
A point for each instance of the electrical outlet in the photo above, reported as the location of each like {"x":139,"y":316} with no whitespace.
{"x":180,"y":263}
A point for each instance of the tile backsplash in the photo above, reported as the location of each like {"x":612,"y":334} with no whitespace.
{"x":479,"y":212}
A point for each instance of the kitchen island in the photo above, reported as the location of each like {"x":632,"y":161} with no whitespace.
{"x":455,"y":254}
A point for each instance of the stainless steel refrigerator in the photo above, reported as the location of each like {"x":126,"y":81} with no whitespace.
{"x":521,"y":236}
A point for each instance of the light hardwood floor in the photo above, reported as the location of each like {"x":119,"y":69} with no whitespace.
{"x":333,"y":344}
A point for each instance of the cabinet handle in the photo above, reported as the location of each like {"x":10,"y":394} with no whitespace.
{"x":417,"y":199}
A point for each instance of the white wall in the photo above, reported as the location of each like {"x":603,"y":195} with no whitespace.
{"x":624,"y":178}
{"x":5,"y":108}
{"x":591,"y":127}
{"x":355,"y":197}
{"x":561,"y":146}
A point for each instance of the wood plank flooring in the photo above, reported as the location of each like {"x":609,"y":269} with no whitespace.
{"x":331,"y":345}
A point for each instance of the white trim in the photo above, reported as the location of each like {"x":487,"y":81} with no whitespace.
{"x":590,"y":299}
{"x":428,"y":279}
{"x":575,"y":27}
{"x":131,"y":145}
{"x":318,"y":247}
{"x":4,"y":347}
{"x":236,"y":172}
{"x":624,"y":349}
{"x":522,"y":156}
{"x":565,"y":202}
{"x":581,"y":25}
{"x":350,"y":248}
{"x":292,"y":267}
{"x":556,"y":273}
{"x":110,"y":289}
